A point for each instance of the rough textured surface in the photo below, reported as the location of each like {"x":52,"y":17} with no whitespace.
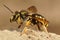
{"x":30,"y":35}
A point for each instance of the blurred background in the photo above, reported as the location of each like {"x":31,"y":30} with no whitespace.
{"x":48,"y":8}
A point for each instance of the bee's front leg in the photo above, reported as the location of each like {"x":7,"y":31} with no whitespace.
{"x":20,"y":25}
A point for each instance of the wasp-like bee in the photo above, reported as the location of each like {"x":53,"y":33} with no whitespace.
{"x":35,"y":19}
{"x":19,"y":16}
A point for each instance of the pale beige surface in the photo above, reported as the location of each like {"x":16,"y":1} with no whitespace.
{"x":32,"y":35}
{"x":48,"y":8}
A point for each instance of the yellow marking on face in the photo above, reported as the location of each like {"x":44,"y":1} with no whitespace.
{"x":11,"y":17}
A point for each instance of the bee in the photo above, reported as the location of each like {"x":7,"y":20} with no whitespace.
{"x":18,"y":16}
{"x":35,"y":19}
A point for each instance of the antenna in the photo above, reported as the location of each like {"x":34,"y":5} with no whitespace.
{"x":8,"y":8}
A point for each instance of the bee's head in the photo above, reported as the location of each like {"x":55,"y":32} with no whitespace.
{"x":14,"y":17}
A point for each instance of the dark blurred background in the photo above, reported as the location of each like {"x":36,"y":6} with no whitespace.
{"x":48,"y":8}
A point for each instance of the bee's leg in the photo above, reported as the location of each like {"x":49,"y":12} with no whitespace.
{"x":38,"y":27}
{"x":25,"y":29}
{"x":20,"y":25}
{"x":44,"y":28}
{"x":18,"y":28}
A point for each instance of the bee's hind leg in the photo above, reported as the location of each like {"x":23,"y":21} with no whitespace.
{"x":44,"y":28}
{"x":38,"y":27}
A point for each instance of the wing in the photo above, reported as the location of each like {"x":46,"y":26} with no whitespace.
{"x":32,"y":9}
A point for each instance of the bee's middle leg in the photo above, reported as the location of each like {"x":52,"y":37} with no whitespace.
{"x":24,"y":31}
{"x":26,"y":26}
